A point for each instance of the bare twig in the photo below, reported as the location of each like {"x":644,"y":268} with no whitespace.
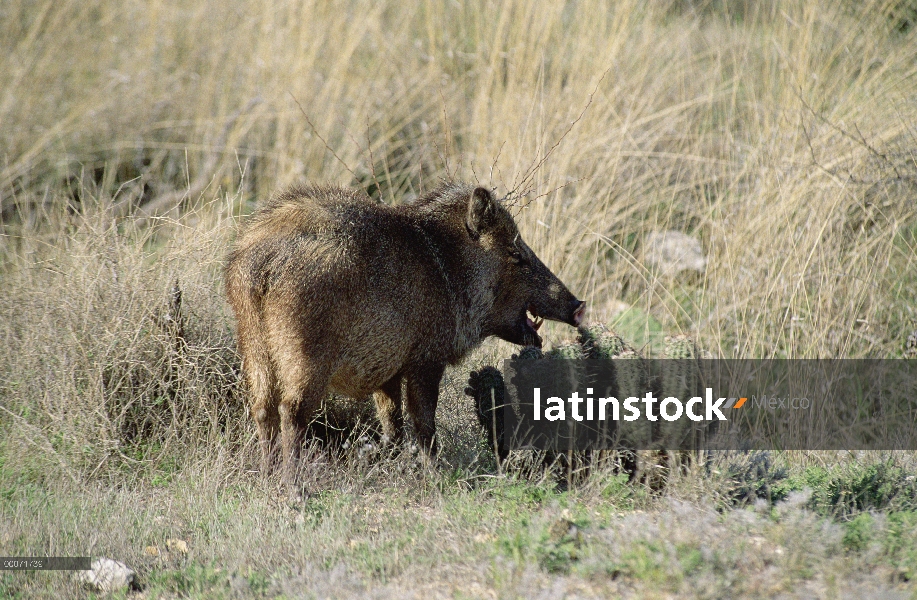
{"x":319,"y":136}
{"x":363,"y":153}
{"x":522,"y":189}
{"x":560,"y":187}
{"x":372,"y":161}
{"x":858,"y":139}
{"x":196,"y":187}
{"x":448,"y":134}
{"x":815,"y":162}
{"x":442,"y":156}
{"x":494,"y":164}
{"x":876,"y":153}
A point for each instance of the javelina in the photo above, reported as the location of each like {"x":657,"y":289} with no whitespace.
{"x":333,"y":291}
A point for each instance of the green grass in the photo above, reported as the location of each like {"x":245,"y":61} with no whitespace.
{"x":509,"y":535}
{"x":135,"y":134}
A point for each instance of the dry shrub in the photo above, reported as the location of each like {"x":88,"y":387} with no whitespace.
{"x":780,"y":134}
{"x":100,"y":367}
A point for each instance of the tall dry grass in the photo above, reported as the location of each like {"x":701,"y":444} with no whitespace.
{"x":132,"y":135}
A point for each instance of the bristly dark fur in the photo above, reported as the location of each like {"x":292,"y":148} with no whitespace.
{"x":333,"y":291}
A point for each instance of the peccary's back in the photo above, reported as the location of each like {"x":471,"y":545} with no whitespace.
{"x":360,"y":279}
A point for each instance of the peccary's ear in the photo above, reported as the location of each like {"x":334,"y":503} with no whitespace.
{"x":481,"y":210}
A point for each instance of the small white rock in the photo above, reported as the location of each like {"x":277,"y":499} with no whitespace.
{"x":673,"y":252}
{"x":107,"y":575}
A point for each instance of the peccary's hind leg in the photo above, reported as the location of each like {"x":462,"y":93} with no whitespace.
{"x":300,"y":399}
{"x":388,"y":410}
{"x":303,"y":379}
{"x":422,"y":398}
{"x":262,"y":385}
{"x":264,"y":410}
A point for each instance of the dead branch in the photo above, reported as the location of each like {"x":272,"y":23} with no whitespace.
{"x":523,"y":188}
{"x":165,"y":202}
{"x":319,"y":136}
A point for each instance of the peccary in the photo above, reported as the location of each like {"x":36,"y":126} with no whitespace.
{"x":333,"y":291}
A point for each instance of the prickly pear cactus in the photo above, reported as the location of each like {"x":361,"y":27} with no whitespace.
{"x":487,"y":388}
{"x":681,"y":378}
{"x":600,"y":342}
{"x":567,"y":351}
{"x":529,"y":353}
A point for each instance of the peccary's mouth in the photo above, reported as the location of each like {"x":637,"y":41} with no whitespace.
{"x":532,"y":319}
{"x":530,"y":323}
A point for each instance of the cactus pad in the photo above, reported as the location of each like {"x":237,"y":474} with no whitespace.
{"x":529,"y":353}
{"x":487,"y":388}
{"x":680,"y":346}
{"x":599,"y":341}
{"x":567,"y":351}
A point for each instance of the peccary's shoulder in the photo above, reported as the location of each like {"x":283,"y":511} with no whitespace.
{"x":308,"y":208}
{"x":326,"y":195}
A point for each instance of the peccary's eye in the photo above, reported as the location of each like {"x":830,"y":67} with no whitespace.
{"x":515,"y":256}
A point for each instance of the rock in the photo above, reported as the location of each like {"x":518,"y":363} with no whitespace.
{"x":673,"y":252}
{"x":177,"y":546}
{"x":107,"y":575}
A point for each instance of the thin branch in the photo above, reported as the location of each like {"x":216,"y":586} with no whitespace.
{"x":372,"y":161}
{"x":875,"y":152}
{"x":858,"y":139}
{"x":314,"y":130}
{"x":448,"y":133}
{"x":208,"y":173}
{"x":560,"y":187}
{"x":530,"y":174}
{"x":494,"y":164}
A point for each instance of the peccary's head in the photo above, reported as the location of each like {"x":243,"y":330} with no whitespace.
{"x":525,"y":291}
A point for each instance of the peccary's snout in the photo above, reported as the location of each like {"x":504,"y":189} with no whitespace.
{"x":551,"y":298}
{"x":572,"y":312}
{"x":577,"y":310}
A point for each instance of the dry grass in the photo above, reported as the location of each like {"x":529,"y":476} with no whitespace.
{"x":134,"y":134}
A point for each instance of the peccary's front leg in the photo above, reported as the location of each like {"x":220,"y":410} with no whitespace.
{"x":389,"y":411}
{"x":422,"y":397}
